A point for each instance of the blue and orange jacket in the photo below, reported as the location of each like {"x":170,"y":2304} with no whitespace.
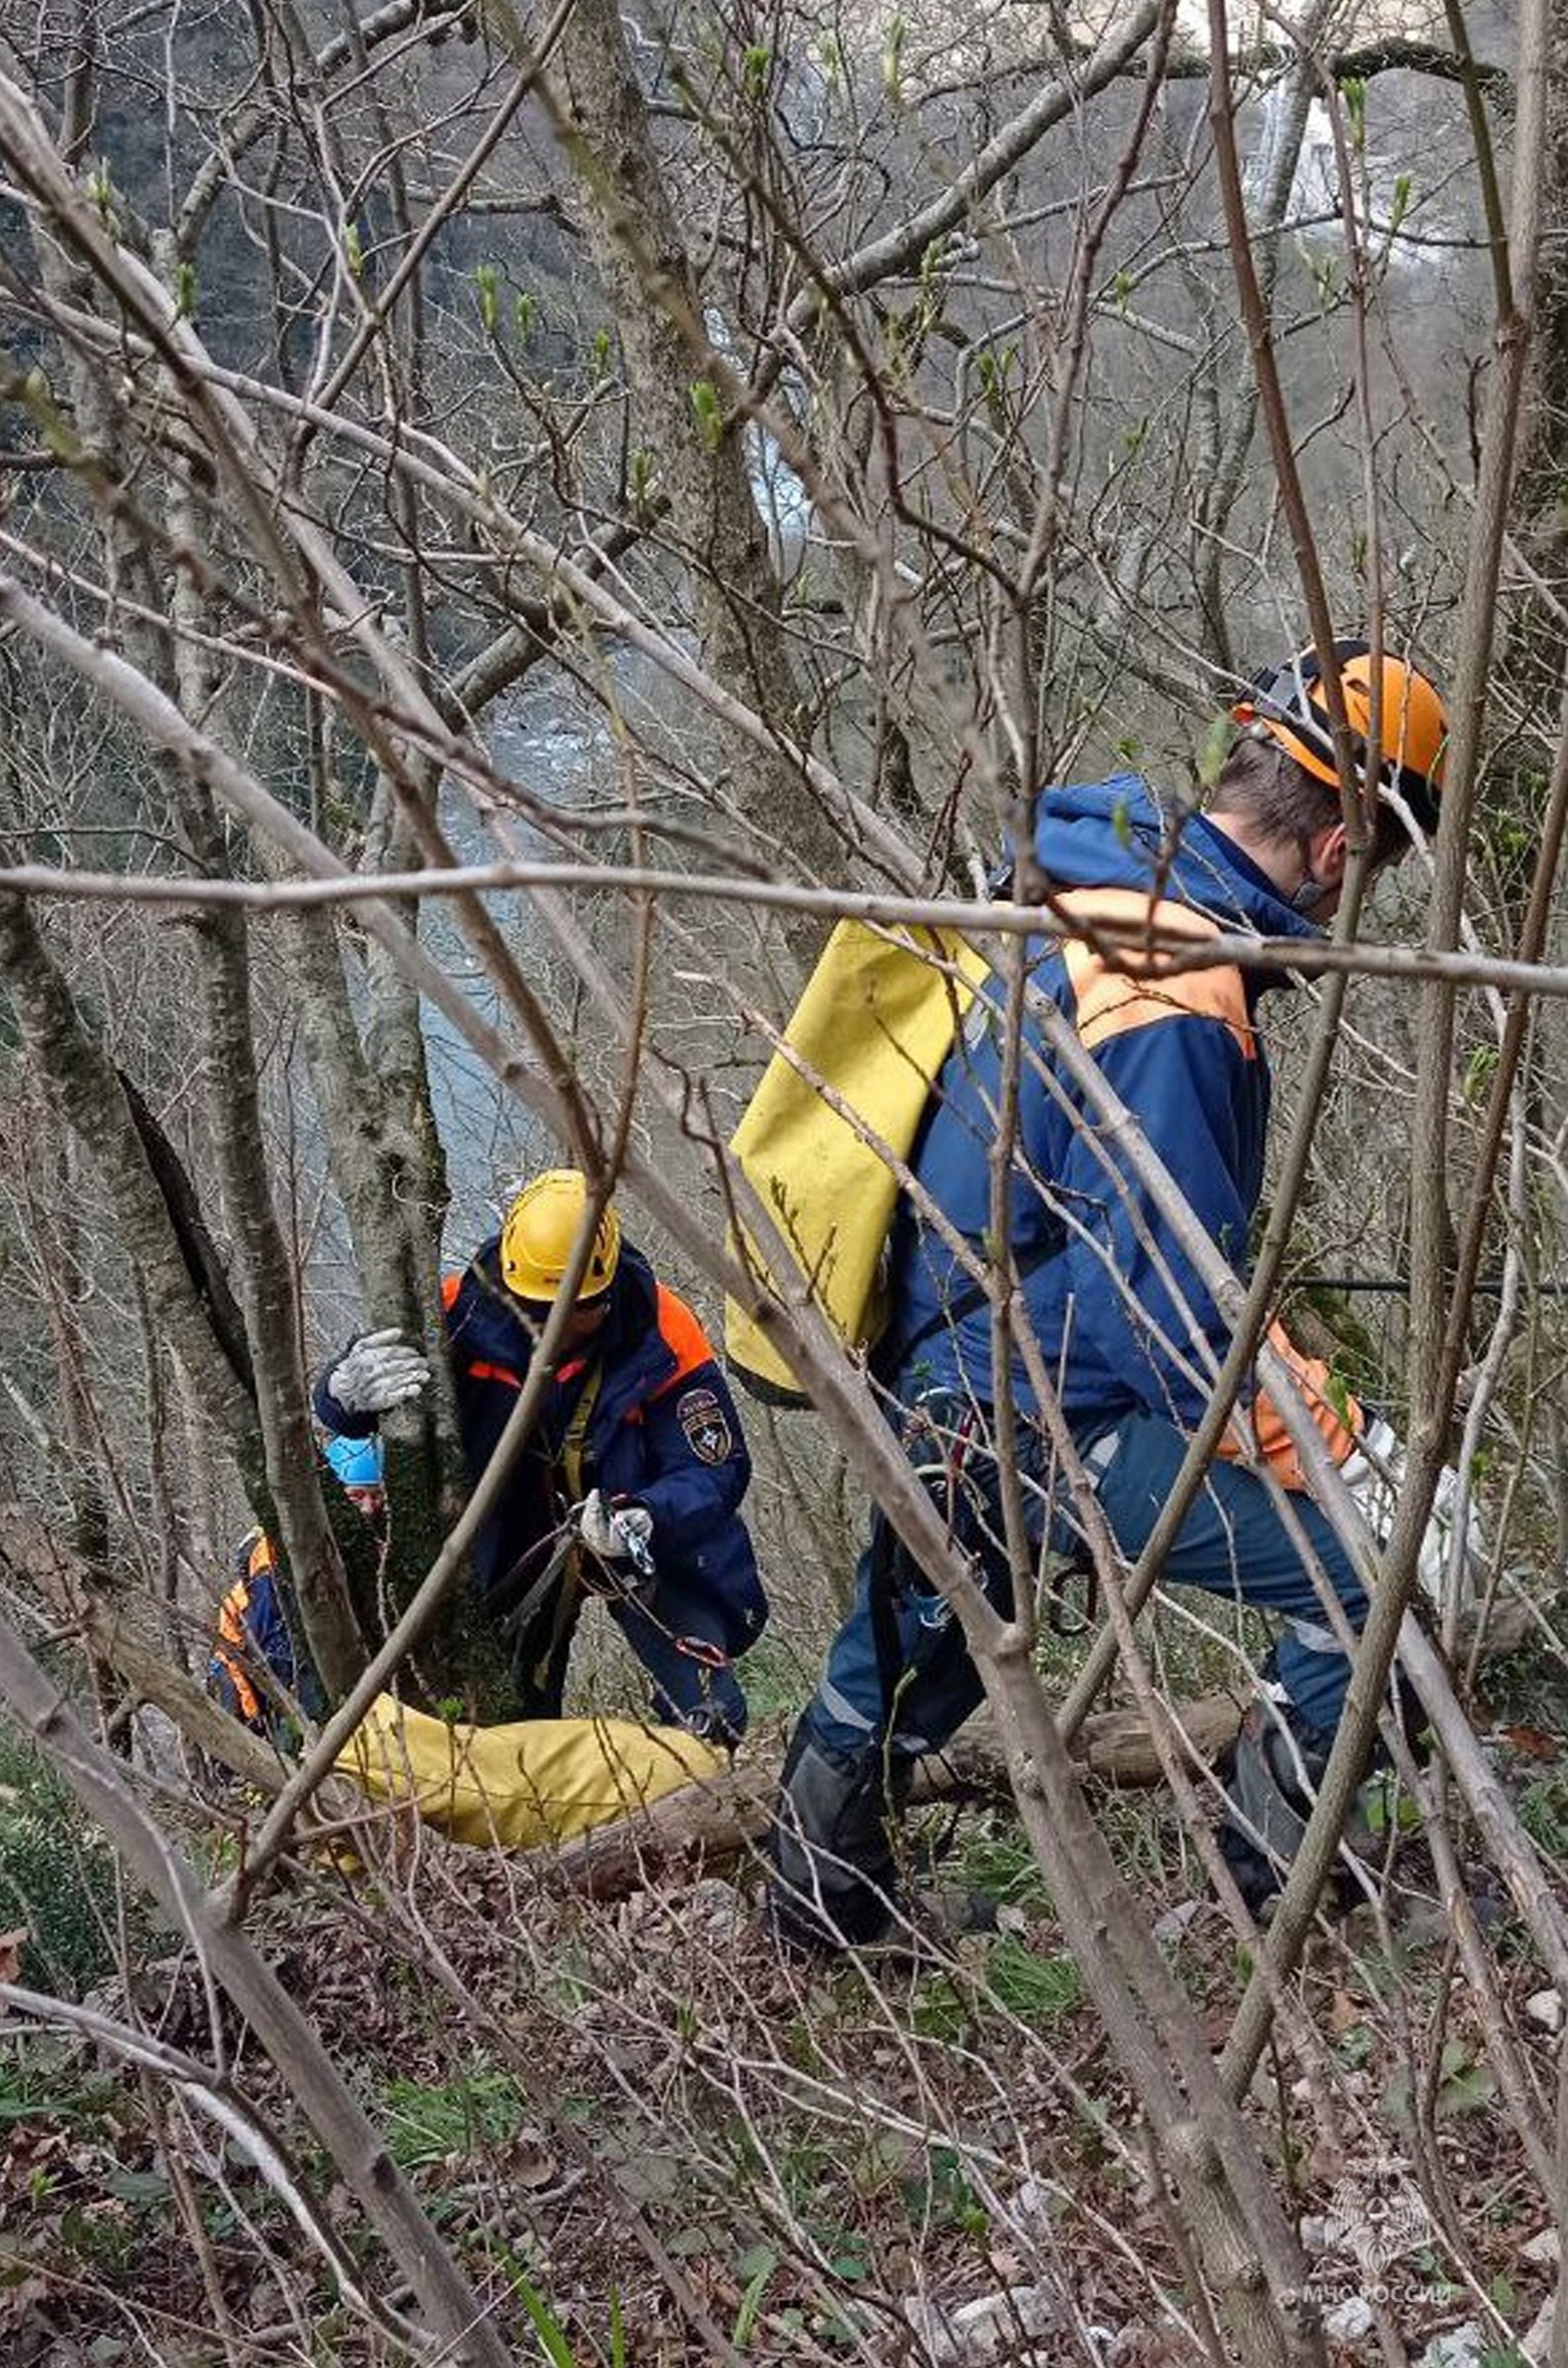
{"x":662,"y":1433}
{"x":1113,"y":1298}
{"x":252,"y":1634}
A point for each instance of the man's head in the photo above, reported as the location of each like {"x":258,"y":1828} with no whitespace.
{"x":1281,"y":783}
{"x":359,"y":1467}
{"x":536,"y":1240}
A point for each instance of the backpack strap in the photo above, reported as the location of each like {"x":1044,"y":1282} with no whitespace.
{"x":971,"y":1296}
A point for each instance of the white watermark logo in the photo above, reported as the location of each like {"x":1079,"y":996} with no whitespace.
{"x":1376,"y":2216}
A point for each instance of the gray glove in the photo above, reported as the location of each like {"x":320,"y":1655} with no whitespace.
{"x":376,"y":1372}
{"x":619,"y":1535}
{"x":1374,"y":1471}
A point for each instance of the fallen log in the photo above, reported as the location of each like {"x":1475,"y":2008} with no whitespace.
{"x":705,"y":1827}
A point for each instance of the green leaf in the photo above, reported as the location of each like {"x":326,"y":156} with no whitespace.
{"x":487,"y":281}
{"x":1465,"y":2086}
{"x":708,"y":413}
{"x":1354,"y":91}
{"x":353,"y":249}
{"x":138,"y":2186}
{"x":1121,"y":823}
{"x":1478,"y":1071}
{"x":547,"y":2327}
{"x":100,"y":189}
{"x":1216,"y":745}
{"x":752,"y":2300}
{"x":892,"y":61}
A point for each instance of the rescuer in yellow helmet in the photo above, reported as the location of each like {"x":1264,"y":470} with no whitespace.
{"x":631,"y":1483}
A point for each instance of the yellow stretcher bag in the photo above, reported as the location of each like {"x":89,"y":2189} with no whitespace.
{"x":523,"y":1787}
{"x":877,"y":1020}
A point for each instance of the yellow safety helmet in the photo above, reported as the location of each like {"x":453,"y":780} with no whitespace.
{"x":541,"y":1225}
{"x":1289,"y":703}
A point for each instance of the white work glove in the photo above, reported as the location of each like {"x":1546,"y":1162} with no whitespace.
{"x":616,"y":1536}
{"x":1374,"y":1471}
{"x":376,"y":1372}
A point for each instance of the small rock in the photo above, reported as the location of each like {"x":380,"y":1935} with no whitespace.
{"x":1174,"y":1922}
{"x":1037,"y":2204}
{"x":1545,"y":2008}
{"x":1460,"y":2347}
{"x":988,"y":2328}
{"x":1544,"y":2251}
{"x":1423,"y":1924}
{"x":1349,"y":2320}
{"x":1537,"y":2344}
{"x":1315,"y":2232}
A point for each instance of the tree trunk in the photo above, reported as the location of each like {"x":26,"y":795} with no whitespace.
{"x":640,"y":253}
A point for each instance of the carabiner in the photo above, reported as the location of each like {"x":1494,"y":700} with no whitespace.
{"x":698,"y":1649}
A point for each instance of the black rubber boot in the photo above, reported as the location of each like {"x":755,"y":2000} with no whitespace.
{"x":834,"y":1883}
{"x":1271,"y":1774}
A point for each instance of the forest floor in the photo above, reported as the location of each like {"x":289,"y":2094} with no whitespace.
{"x":640,"y":2128}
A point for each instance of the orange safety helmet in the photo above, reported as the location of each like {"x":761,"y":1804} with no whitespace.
{"x":1289,"y":703}
{"x":541,"y":1225}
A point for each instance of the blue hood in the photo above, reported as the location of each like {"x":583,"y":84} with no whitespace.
{"x":1109,"y":835}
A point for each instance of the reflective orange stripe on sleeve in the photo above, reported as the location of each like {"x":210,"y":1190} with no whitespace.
{"x":684,"y":1336}
{"x":1130,"y":986}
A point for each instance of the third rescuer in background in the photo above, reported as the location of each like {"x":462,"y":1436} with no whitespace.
{"x":1125,"y":1327}
{"x":631,"y":1483}
{"x":253,"y":1642}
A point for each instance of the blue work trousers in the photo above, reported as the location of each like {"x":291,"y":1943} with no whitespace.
{"x":1233,"y":1543}
{"x":677,"y":1634}
{"x":899,"y":1679}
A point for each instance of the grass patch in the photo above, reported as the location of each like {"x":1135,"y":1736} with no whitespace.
{"x":429,"y":2122}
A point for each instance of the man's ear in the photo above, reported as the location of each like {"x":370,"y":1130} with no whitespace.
{"x":1327,"y":850}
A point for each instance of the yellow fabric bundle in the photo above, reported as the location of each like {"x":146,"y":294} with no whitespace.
{"x":541,"y":1781}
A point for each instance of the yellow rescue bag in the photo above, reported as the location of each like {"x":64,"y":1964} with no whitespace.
{"x":539,"y":1781}
{"x":874,"y":1025}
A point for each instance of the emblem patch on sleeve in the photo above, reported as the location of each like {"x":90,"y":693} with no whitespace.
{"x":703,"y":1420}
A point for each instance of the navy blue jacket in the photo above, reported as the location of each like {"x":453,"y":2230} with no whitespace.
{"x":1101,"y":1269}
{"x":663,"y":1433}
